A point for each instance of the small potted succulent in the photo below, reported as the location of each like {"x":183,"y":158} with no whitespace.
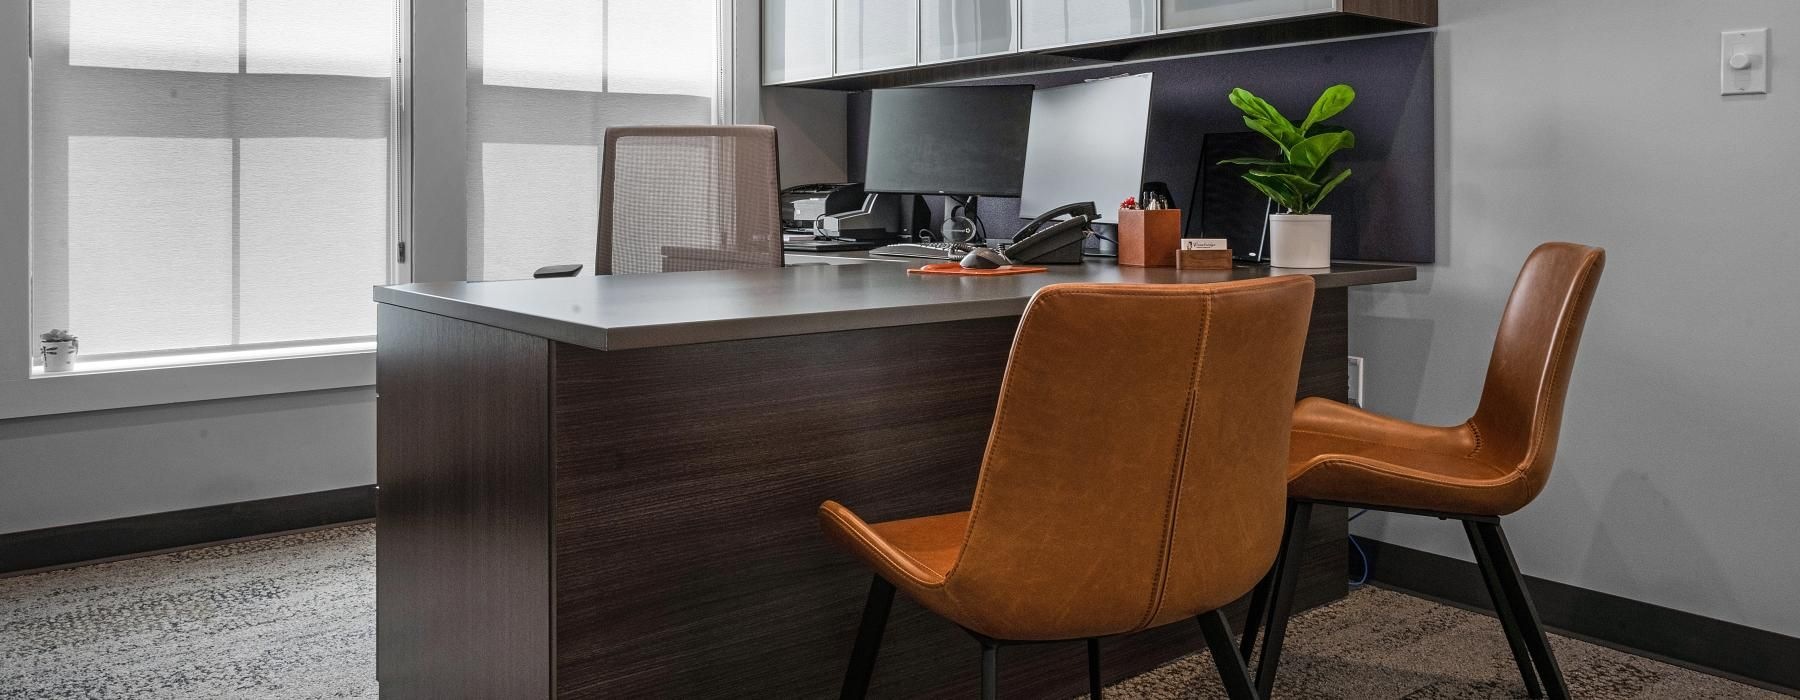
{"x":58,"y":348}
{"x":1299,"y":181}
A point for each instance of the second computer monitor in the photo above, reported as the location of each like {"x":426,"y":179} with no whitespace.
{"x":948,"y":140}
{"x":1087,"y":145}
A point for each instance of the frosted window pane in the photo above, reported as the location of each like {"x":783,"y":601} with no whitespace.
{"x":149,"y":242}
{"x":193,"y":203}
{"x":541,"y":207}
{"x":175,"y":35}
{"x":312,"y":232}
{"x":534,"y":154}
{"x":320,"y":37}
{"x":554,"y":44}
{"x":665,"y":48}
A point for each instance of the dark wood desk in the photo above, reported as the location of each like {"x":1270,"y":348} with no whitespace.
{"x":606,"y":486}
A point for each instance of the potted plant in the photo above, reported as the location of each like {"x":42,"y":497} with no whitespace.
{"x":1302,"y":178}
{"x":58,"y":347}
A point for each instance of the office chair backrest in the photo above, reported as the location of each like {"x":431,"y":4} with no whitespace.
{"x":680,"y":198}
{"x":1520,"y":416}
{"x":1136,"y":469}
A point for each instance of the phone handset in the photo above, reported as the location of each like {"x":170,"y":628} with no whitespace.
{"x":1047,"y":240}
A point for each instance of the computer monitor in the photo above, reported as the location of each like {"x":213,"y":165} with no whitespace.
{"x":1087,"y":145}
{"x":966,"y":141}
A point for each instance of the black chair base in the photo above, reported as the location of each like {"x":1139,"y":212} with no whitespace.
{"x":1233,"y":669}
{"x":1273,"y":602}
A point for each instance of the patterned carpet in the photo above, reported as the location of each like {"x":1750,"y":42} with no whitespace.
{"x":294,"y":617}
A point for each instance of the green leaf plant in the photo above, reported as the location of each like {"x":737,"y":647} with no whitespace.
{"x":1300,"y":181}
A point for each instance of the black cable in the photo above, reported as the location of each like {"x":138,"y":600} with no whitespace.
{"x":1360,"y":554}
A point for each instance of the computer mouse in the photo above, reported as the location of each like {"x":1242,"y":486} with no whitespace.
{"x":984,"y":259}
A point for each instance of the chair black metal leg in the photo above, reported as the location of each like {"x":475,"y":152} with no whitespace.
{"x":1506,"y":569}
{"x":1287,"y":573}
{"x":868,"y":640}
{"x":1503,"y":610}
{"x":990,"y":670}
{"x":1258,"y":615}
{"x":1093,"y":647}
{"x":1236,"y":676}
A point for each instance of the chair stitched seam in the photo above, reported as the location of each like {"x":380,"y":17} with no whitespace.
{"x":998,"y":428}
{"x":1159,"y":585}
{"x":1476,"y":431}
{"x":878,"y":551}
{"x":1376,"y":468}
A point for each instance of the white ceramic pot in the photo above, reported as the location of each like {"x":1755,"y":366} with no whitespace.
{"x":1300,"y":240}
{"x":60,"y":355}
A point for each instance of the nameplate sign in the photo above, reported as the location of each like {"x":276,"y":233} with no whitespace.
{"x":1204,"y":244}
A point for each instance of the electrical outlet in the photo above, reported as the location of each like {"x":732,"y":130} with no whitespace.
{"x":1356,"y":381}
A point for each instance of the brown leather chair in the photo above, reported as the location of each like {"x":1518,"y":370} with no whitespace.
{"x":1490,"y":465}
{"x":1112,"y":501}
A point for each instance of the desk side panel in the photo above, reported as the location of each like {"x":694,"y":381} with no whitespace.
{"x":463,"y":557}
{"x":1325,"y":372}
{"x":689,"y":558}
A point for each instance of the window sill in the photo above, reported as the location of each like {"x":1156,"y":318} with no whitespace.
{"x":108,"y":384}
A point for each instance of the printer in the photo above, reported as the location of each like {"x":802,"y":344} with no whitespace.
{"x":840,"y":211}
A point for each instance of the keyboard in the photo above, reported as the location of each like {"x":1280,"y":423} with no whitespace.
{"x":937,"y":251}
{"x":824,"y":246}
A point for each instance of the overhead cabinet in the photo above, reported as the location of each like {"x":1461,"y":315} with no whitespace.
{"x":1045,"y":24}
{"x":876,"y":35}
{"x":859,"y":44}
{"x":796,"y":40}
{"x":958,"y":29}
{"x":1178,"y":15}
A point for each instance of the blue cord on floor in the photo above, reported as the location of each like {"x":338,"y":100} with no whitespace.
{"x":1361,"y":555}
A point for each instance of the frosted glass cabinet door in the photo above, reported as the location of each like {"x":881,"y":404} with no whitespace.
{"x":1047,"y":23}
{"x":876,"y":34}
{"x":952,"y":29}
{"x":796,"y":40}
{"x":1187,"y":14}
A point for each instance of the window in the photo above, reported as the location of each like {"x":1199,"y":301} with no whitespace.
{"x":546,"y":77}
{"x":215,"y":185}
{"x":211,"y":174}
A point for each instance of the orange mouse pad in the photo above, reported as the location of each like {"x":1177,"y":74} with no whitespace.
{"x":950,"y":268}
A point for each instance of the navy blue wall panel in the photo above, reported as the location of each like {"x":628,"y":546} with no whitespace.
{"x":1384,"y":212}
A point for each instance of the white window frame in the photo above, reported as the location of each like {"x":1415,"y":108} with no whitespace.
{"x":432,"y":221}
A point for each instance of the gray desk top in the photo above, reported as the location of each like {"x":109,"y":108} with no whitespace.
{"x":853,"y":291}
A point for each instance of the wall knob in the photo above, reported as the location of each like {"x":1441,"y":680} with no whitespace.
{"x":1739,"y":61}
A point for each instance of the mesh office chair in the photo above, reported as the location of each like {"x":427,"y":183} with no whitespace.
{"x":682,"y":198}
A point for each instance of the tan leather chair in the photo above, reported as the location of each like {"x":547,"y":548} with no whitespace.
{"x":1110,"y":501}
{"x":1490,"y":465}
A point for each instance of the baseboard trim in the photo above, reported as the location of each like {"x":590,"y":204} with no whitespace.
{"x":1747,"y":654}
{"x":85,"y":543}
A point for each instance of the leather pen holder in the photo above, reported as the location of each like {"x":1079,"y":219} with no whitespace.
{"x":1149,"y":237}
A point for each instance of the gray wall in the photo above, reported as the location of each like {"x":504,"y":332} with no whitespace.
{"x":83,"y":467}
{"x":1601,"y":122}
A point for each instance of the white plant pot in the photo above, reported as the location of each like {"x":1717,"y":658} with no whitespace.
{"x":1300,"y":240}
{"x":59,"y":356}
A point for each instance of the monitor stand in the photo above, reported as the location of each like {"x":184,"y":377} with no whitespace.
{"x":970,"y":206}
{"x":1104,"y":243}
